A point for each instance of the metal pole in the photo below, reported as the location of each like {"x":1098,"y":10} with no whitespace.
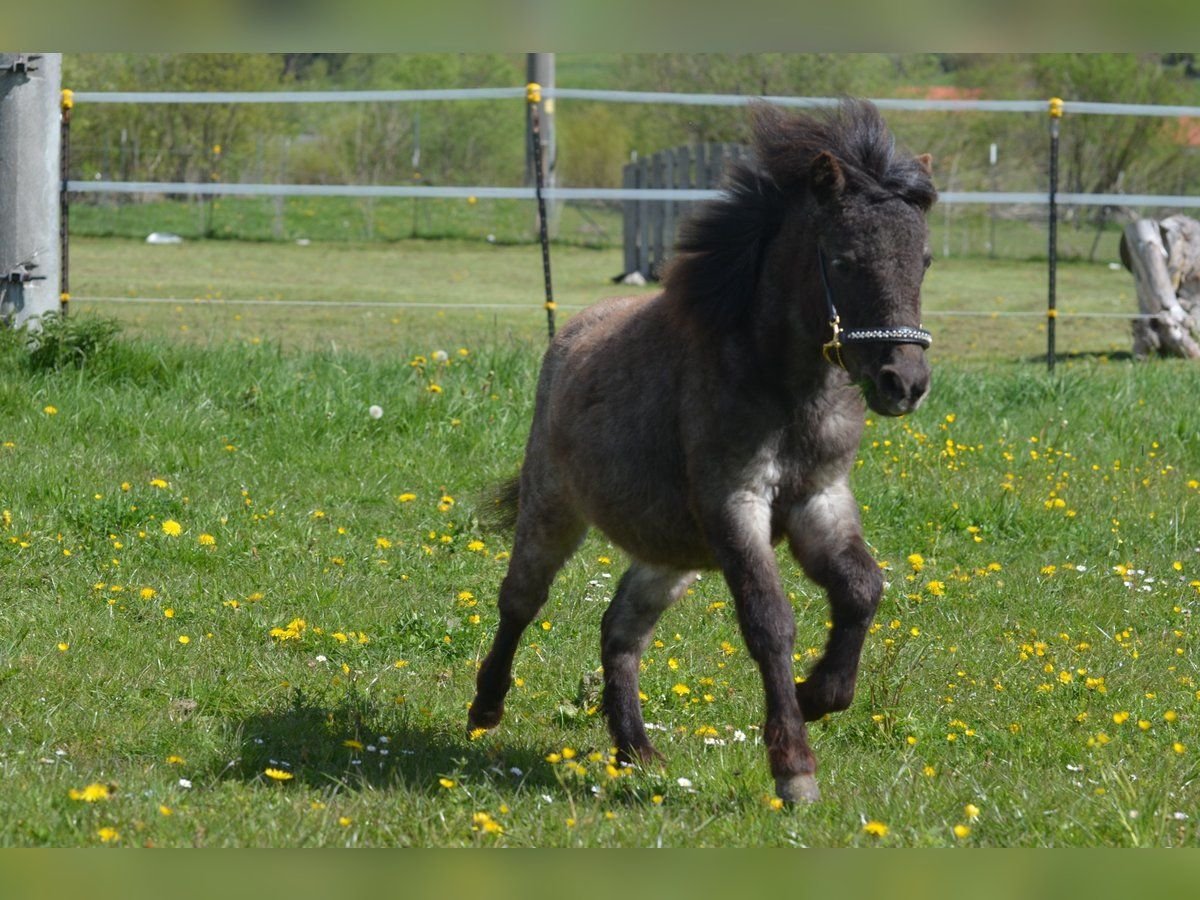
{"x":30,"y":186}
{"x":992,"y":158}
{"x":534,"y":95}
{"x":64,"y":203}
{"x":1056,"y":111}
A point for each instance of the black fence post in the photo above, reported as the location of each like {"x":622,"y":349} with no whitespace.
{"x":1056,"y":111}
{"x":64,"y":203}
{"x":533,"y":94}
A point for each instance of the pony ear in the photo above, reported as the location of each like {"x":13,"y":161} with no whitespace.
{"x":925,"y":161}
{"x":827,"y":178}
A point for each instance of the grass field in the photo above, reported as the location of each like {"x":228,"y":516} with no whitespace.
{"x":431,"y":293}
{"x":244,"y":612}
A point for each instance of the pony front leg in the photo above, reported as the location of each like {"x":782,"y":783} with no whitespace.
{"x":826,"y":538}
{"x":769,"y":629}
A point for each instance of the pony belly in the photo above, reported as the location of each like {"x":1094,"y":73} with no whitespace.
{"x":661,"y":532}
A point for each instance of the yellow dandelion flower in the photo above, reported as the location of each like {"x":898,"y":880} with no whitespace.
{"x":1119,"y":718}
{"x":164,"y":810}
{"x":50,"y":410}
{"x":345,"y":821}
{"x":206,"y":540}
{"x":184,"y":639}
{"x":1178,"y":747}
{"x":971,"y":811}
{"x":159,"y":483}
{"x":875,"y":828}
{"x":917,"y":561}
{"x":1170,"y":715}
{"x":147,"y":593}
{"x":63,"y":646}
{"x":278,"y":774}
{"x":171,"y":528}
{"x":681,"y":689}
{"x":91,"y":793}
{"x":447,"y":783}
{"x":406,"y":498}
{"x":962,"y":831}
{"x":108,"y":834}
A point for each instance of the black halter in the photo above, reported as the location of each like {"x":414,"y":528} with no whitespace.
{"x":832,"y":350}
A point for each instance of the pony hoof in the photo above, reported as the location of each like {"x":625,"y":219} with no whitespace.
{"x":798,"y":789}
{"x":485,"y":719}
{"x":640,"y":756}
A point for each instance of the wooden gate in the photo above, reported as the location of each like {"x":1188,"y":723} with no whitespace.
{"x":651,"y":225}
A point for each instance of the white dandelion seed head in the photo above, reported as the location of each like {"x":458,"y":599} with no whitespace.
{"x":439,"y":356}
{"x":375,"y":411}
{"x":185,"y":783}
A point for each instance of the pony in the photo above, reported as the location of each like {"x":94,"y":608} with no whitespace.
{"x":699,"y":427}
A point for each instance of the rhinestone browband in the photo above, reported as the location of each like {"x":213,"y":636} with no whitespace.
{"x":891,"y":335}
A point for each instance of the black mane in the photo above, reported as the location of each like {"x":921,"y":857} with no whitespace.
{"x":719,"y":251}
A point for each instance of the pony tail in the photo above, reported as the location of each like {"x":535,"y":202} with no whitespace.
{"x":500,"y":504}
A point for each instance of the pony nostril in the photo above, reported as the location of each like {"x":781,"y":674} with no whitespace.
{"x":903,"y":386}
{"x":891,"y":384}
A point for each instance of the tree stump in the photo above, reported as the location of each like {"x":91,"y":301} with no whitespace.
{"x":1164,"y":258}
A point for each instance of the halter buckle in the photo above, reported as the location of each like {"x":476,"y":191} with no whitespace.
{"x":832,"y":349}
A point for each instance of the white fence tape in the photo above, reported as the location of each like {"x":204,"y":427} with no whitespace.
{"x":483,"y":192}
{"x":1078,"y":107}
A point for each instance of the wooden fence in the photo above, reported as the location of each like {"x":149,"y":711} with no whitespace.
{"x":651,"y":225}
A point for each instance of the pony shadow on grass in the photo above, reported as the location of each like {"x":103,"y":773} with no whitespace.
{"x":355,"y":744}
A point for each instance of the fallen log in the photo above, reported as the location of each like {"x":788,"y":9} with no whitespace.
{"x":1164,"y":258}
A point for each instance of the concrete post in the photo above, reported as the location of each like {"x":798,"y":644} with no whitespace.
{"x":30,"y":181}
{"x":539,"y":68}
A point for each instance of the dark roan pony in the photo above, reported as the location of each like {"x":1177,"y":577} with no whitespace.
{"x":700,"y":427}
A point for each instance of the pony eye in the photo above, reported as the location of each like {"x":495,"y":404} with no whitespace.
{"x":843,"y":264}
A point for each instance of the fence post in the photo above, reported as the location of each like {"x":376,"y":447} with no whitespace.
{"x":533,"y":96}
{"x":1056,"y":111}
{"x":629,"y":210}
{"x":30,"y":186}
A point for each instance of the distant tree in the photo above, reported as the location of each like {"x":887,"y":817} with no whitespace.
{"x":169,"y":142}
{"x":1102,"y":154}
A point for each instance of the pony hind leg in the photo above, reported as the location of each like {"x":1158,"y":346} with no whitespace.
{"x":826,"y":538}
{"x":547,"y":535}
{"x":644,"y":593}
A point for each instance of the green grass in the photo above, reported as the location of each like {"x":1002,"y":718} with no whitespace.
{"x":1054,"y":520}
{"x":442,"y":292}
{"x":344,"y":219}
{"x":955,"y":232}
